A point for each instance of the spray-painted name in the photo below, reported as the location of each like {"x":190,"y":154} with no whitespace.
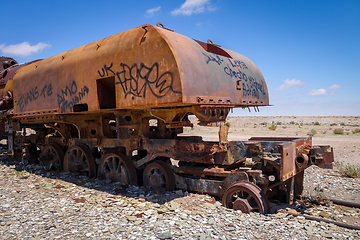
{"x":70,"y":96}
{"x":236,"y":69}
{"x":34,"y":94}
{"x":137,"y":80}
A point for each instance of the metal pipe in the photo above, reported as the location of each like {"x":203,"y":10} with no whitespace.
{"x":344,"y":203}
{"x":323,"y":220}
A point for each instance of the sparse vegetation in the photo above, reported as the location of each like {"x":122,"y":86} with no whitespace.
{"x":339,"y":131}
{"x":356,"y":130}
{"x":227,"y":124}
{"x":312,"y":132}
{"x":348,"y":170}
{"x":319,"y":196}
{"x":292,"y":122}
{"x":19,"y":173}
{"x":273,"y":127}
{"x":342,"y":124}
{"x":316,"y":123}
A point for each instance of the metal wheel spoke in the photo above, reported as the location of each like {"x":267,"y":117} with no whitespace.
{"x":113,"y":160}
{"x":250,"y":198}
{"x":108,"y":166}
{"x":72,"y":155}
{"x":159,"y":175}
{"x":52,"y":156}
{"x":117,"y":167}
{"x":82,"y":156}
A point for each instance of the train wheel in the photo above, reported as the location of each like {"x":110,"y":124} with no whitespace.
{"x":159,"y":175}
{"x":52,"y":156}
{"x":118,"y":168}
{"x":78,"y":158}
{"x":247,"y":197}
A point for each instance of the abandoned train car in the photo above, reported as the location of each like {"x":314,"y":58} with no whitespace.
{"x":115,"y":108}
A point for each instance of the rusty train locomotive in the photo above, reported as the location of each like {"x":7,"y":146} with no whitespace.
{"x":115,"y":109}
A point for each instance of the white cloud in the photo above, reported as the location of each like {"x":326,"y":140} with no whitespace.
{"x":289,"y":83}
{"x":22,"y":49}
{"x":319,"y":92}
{"x":190,"y":7}
{"x":152,"y":11}
{"x":334,"y":86}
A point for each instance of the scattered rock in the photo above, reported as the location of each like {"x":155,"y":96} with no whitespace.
{"x":165,"y":235}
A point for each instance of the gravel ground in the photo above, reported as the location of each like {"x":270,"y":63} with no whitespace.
{"x":35,"y":204}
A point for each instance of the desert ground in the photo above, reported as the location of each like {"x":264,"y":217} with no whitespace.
{"x":346,"y":145}
{"x":39,"y":204}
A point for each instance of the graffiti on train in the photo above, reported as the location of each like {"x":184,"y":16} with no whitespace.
{"x":136,"y":80}
{"x":71,"y":95}
{"x":34,"y":94}
{"x":213,"y":58}
{"x":236,"y":69}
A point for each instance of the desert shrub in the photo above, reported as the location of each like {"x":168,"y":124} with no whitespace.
{"x":339,"y":131}
{"x":348,"y":170}
{"x":273,"y":127}
{"x":319,"y":196}
{"x":278,"y":123}
{"x":292,"y":122}
{"x":356,"y":130}
{"x":316,"y":123}
{"x":227,"y":124}
{"x":342,"y":124}
{"x":312,"y":132}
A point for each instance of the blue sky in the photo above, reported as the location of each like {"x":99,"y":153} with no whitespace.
{"x":308,"y":51}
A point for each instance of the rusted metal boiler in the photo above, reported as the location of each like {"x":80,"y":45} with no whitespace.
{"x":115,"y":109}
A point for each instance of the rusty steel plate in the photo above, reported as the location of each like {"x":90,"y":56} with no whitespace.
{"x":143,"y":67}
